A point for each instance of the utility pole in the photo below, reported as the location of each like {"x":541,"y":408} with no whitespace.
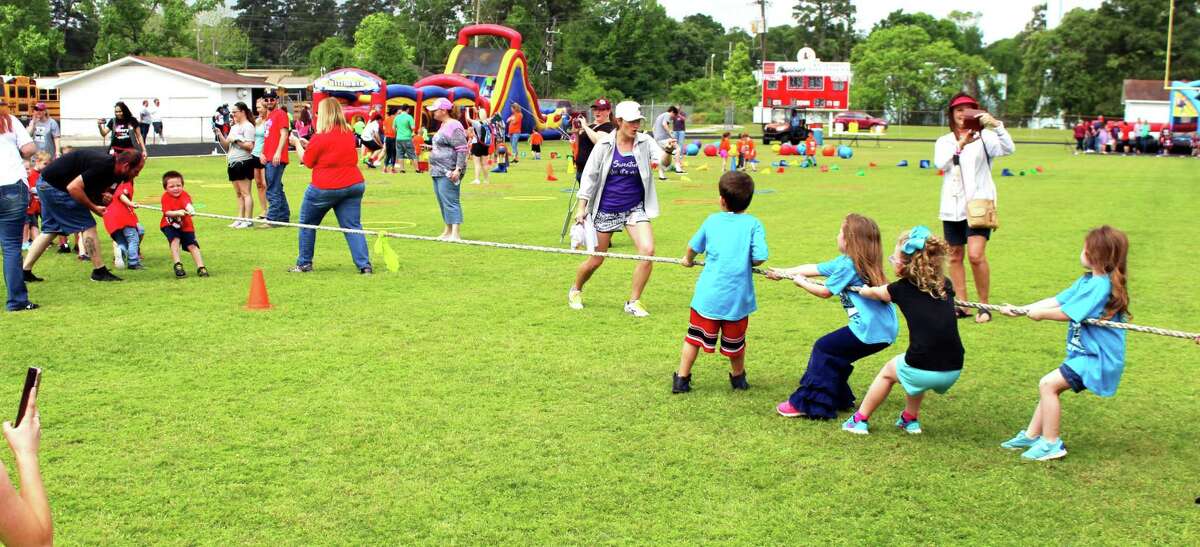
{"x":762,"y":11}
{"x":477,"y":21}
{"x":548,"y":53}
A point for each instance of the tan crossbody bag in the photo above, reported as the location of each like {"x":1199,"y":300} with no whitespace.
{"x":981,"y":213}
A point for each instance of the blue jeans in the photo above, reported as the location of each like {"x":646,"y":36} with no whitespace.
{"x":277,"y":209}
{"x":448,"y":202}
{"x":129,"y":239}
{"x":347,"y":207}
{"x":14,"y":199}
{"x":514,"y":138}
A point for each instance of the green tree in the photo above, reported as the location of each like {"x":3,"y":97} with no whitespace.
{"x":31,"y":45}
{"x":430,"y":26}
{"x":832,"y":24}
{"x":331,"y":54}
{"x":739,"y":85}
{"x":121,"y":24}
{"x":79,"y":23}
{"x":624,"y":42}
{"x":899,"y":69}
{"x":589,"y":87}
{"x":352,"y":12}
{"x":380,"y":47}
{"x":222,"y":43}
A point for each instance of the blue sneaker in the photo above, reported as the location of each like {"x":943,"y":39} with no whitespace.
{"x":911,"y":427}
{"x":1044,"y":450}
{"x":857,"y":428}
{"x":1020,"y":442}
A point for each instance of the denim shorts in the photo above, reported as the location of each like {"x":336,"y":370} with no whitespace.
{"x":917,"y":381}
{"x":615,"y":222}
{"x":61,"y":214}
{"x":1073,"y":378}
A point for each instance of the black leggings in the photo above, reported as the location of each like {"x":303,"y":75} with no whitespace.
{"x":389,"y":147}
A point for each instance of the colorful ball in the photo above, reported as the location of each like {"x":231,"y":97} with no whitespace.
{"x":776,"y":148}
{"x":828,"y":151}
{"x":845,"y":152}
{"x":710,"y":150}
{"x":693,"y":149}
{"x":787,"y":150}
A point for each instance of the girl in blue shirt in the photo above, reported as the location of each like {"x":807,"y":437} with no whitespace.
{"x":1095,"y":355}
{"x":825,"y":388}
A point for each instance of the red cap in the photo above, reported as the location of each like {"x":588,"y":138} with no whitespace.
{"x":39,"y":106}
{"x":965,"y":99}
{"x":601,"y":104}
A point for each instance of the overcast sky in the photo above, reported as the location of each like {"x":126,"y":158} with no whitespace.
{"x":1001,"y":18}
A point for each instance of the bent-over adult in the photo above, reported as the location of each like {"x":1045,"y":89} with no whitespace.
{"x":617,"y":192}
{"x":447,"y":164}
{"x":965,"y":156}
{"x":73,"y":187}
{"x":336,"y":184}
{"x":15,"y":146}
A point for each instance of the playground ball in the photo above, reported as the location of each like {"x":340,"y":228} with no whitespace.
{"x":775,"y":148}
{"x":828,"y":151}
{"x":787,"y":150}
{"x":697,"y":143}
{"x":501,"y":150}
{"x":710,"y":151}
{"x":845,"y":152}
{"x":693,"y":149}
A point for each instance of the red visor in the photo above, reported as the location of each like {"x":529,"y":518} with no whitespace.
{"x":965,"y":99}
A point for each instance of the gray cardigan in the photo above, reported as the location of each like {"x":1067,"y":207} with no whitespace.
{"x":595,"y":173}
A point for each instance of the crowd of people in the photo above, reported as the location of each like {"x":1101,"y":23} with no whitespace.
{"x":1138,"y":138}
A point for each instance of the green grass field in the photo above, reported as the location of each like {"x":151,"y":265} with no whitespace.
{"x":460,"y":401}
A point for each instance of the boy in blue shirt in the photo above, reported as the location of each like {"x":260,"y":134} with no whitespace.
{"x":732,"y":242}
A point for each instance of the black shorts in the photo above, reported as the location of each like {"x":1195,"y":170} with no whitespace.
{"x":186,"y":239}
{"x":241,"y":170}
{"x":479,"y":150}
{"x":956,"y":233}
{"x":372,"y":145}
{"x":536,"y":148}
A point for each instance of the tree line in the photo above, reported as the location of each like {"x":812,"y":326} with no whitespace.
{"x":631,"y":48}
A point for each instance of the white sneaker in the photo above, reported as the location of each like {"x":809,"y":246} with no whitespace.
{"x":245,"y":224}
{"x":476,"y":181}
{"x":118,"y":260}
{"x":575,"y":299}
{"x":636,"y":309}
{"x":235,"y":224}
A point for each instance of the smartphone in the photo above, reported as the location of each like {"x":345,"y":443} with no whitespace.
{"x":33,"y":377}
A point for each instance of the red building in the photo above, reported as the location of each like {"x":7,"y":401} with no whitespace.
{"x":807,"y":82}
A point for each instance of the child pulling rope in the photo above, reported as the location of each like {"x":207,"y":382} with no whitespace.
{"x":660,"y":259}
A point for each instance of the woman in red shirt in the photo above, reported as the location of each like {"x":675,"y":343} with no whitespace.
{"x":336,"y":184}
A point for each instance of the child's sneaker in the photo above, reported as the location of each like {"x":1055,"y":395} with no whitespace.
{"x":1044,"y":450}
{"x":575,"y":299}
{"x":1020,"y":442}
{"x":636,"y":309}
{"x":680,"y":384}
{"x":857,"y":428}
{"x":912,"y":427}
{"x":739,"y":381}
{"x":118,"y":260}
{"x":179,"y":271}
{"x":63,"y":248}
{"x":786,"y":410}
{"x":202,"y":271}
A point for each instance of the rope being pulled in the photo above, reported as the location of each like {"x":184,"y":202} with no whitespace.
{"x":660,"y":259}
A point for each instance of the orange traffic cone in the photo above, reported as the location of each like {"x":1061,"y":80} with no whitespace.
{"x":779,"y":170}
{"x":872,"y":164}
{"x":550,"y":173}
{"x":941,"y":173}
{"x":258,"y":292}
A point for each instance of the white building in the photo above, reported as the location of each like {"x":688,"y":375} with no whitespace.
{"x":1146,"y":100}
{"x":188,"y":92}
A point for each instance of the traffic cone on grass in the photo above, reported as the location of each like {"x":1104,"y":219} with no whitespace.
{"x":550,"y":173}
{"x":258,"y":299}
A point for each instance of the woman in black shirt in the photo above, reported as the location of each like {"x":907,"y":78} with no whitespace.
{"x":124,"y":130}
{"x":934,"y":358}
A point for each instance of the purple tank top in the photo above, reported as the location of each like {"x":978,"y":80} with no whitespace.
{"x":623,"y":190}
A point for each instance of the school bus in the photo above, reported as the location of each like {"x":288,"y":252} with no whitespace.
{"x":22,"y":92}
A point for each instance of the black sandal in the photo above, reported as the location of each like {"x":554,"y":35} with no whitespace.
{"x":981,"y":314}
{"x":960,"y":313}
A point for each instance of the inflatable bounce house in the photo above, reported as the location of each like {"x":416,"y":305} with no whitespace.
{"x":492,"y":80}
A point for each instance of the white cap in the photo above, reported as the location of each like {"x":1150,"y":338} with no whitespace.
{"x":628,"y":111}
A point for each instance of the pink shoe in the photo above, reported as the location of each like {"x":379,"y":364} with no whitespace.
{"x":786,"y":410}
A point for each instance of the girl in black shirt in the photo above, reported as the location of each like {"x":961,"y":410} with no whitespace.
{"x":934,"y":358}
{"x":124,"y":130}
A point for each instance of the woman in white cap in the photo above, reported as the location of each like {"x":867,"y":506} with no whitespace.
{"x":965,"y":157}
{"x":617,"y":192}
{"x":447,"y":164}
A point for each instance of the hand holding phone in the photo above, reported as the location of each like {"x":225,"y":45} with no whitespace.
{"x":25,"y":436}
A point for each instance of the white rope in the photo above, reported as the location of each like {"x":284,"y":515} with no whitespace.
{"x":660,"y":259}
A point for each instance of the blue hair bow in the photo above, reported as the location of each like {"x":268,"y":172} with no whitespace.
{"x":916,"y":239}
